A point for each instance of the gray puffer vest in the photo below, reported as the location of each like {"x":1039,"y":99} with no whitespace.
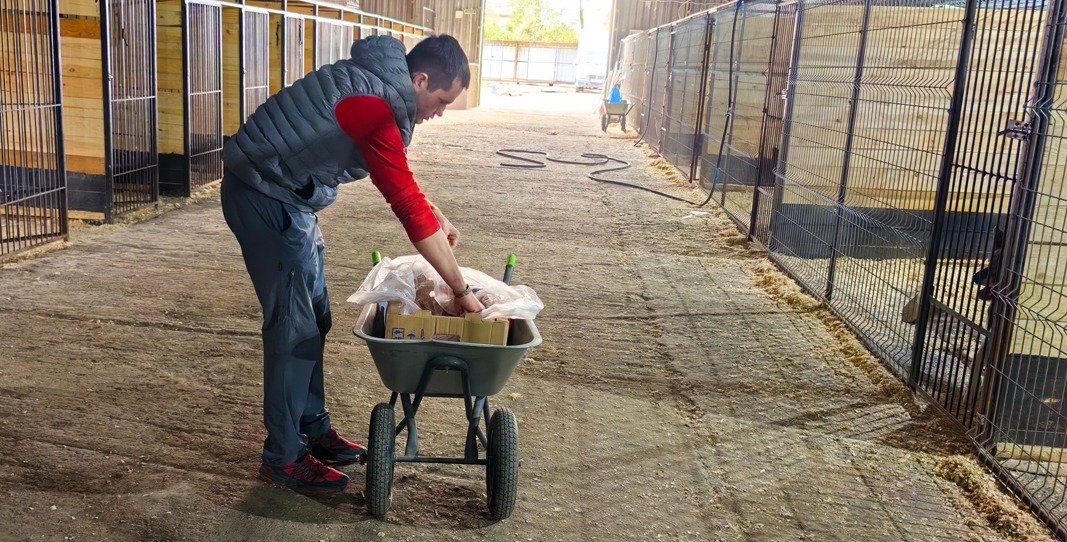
{"x":292,"y":148}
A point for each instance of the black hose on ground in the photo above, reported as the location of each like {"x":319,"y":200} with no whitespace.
{"x":603,"y":159}
{"x":592,"y":159}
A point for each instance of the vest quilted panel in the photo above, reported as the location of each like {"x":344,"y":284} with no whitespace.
{"x":291,"y":147}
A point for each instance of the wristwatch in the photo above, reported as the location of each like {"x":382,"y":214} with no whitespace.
{"x":466,"y":290}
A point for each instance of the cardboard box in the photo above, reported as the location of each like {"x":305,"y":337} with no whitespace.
{"x":423,"y":325}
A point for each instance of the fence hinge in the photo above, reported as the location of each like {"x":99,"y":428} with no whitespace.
{"x":1017,"y":130}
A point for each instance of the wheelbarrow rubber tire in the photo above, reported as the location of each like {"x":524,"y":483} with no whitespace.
{"x":502,"y":472}
{"x":380,"y":460}
{"x":604,"y":123}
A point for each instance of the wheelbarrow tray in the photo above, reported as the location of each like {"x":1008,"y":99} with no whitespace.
{"x":401,"y":362}
{"x":617,"y":109}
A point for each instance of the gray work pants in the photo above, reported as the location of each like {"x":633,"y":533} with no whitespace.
{"x":283,"y":252}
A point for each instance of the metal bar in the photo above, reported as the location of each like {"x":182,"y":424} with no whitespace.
{"x":440,"y":460}
{"x":410,"y":410}
{"x":187,"y":102}
{"x":316,"y":16}
{"x":952,"y":131}
{"x":60,"y":155}
{"x":698,"y":139}
{"x":787,"y":119}
{"x":668,"y":91}
{"x":850,"y":134}
{"x":242,"y":66}
{"x":108,"y":112}
{"x":154,"y":44}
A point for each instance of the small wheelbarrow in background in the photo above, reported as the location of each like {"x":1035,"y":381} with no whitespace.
{"x":614,"y":112}
{"x":416,"y":369}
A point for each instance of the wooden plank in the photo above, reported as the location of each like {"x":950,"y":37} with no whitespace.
{"x":277,"y":30}
{"x":231,"y":71}
{"x":80,"y":8}
{"x":168,"y":13}
{"x":36,"y":159}
{"x":171,"y":83}
{"x":311,"y":37}
{"x":88,"y":29}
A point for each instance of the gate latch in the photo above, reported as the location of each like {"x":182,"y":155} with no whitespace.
{"x":1017,"y":130}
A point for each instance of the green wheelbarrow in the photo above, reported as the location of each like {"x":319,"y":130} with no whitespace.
{"x":416,"y":369}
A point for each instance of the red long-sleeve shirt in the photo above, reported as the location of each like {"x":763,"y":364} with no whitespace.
{"x":369,"y":121}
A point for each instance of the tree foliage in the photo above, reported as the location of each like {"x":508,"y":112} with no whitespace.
{"x":531,"y":20}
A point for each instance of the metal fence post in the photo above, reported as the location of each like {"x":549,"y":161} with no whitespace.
{"x":650,"y":72}
{"x":108,"y":110}
{"x":57,"y":89}
{"x":787,"y":121}
{"x":944,"y":181}
{"x":698,"y":134}
{"x":850,"y":134}
{"x":668,"y":88}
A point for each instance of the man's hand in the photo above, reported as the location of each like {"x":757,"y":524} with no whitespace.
{"x":470,"y":303}
{"x":446,"y":226}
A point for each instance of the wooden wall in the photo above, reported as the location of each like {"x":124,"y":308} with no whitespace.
{"x":231,"y":70}
{"x":277,"y":31}
{"x":83,"y":94}
{"x":171,"y":97}
{"x":22,"y":84}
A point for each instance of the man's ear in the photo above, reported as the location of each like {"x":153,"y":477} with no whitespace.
{"x":420,"y":79}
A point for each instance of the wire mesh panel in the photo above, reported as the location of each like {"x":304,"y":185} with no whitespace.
{"x":1026,"y":415}
{"x":781,"y":59}
{"x":658,"y":72}
{"x":680,"y":122}
{"x":33,"y":198}
{"x":204,"y":97}
{"x":635,"y":62}
{"x":293,"y":55}
{"x":917,"y":187}
{"x":255,"y":60}
{"x":717,"y":101}
{"x":956,"y":328}
{"x":130,"y":105}
{"x":753,"y":36}
{"x":827,"y":39}
{"x":882,"y":227}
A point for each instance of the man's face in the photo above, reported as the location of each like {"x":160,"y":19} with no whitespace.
{"x":432,"y":103}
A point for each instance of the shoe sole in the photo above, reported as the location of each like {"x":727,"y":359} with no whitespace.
{"x":303,"y":490}
{"x":361,"y":458}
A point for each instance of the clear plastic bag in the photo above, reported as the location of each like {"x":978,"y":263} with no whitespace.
{"x":413,"y":283}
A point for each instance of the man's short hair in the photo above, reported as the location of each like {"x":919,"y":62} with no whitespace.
{"x":441,"y":58}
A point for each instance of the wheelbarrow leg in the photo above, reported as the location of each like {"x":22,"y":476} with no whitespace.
{"x":474,"y":433}
{"x":412,"y":447}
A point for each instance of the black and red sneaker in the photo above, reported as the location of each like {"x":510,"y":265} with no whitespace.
{"x":334,"y":449}
{"x":306,"y":475}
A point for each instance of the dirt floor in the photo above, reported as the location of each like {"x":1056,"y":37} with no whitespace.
{"x":684,"y":390}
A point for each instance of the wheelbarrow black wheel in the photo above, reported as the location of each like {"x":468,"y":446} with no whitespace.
{"x":380,"y":460}
{"x":502,"y":472}
{"x":604,"y":123}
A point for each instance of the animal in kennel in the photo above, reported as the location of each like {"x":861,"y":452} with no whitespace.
{"x":960,"y":344}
